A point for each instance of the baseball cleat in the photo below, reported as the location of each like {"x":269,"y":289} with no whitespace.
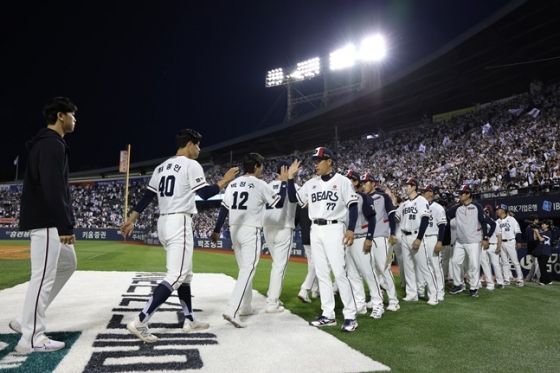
{"x":252,"y":312}
{"x":393,"y":307}
{"x":410,"y":298}
{"x":192,"y":326}
{"x":47,"y":345}
{"x":500,"y":286}
{"x":519,"y":283}
{"x":376,"y":313}
{"x":274,"y":309}
{"x":349,"y":325}
{"x":15,"y":326}
{"x":141,"y":330}
{"x":432,"y":302}
{"x":474,"y":293}
{"x":304,"y":296}
{"x":456,"y":289}
{"x":489,"y":288}
{"x":506,"y":283}
{"x":234,"y":320}
{"x":323,"y":321}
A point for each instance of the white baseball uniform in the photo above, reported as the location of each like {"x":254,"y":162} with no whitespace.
{"x":490,"y":257}
{"x":437,"y":219}
{"x":245,"y":198}
{"x":328,"y":203}
{"x":510,"y":228}
{"x":410,"y":214}
{"x":279,"y":224}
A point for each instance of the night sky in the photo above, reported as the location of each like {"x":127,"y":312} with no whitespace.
{"x":141,"y":70}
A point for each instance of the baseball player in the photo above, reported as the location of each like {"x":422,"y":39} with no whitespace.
{"x":434,"y":237}
{"x":383,"y":237}
{"x":472,"y":227}
{"x":175,"y":182}
{"x":244,"y":201}
{"x":532,"y":244}
{"x":414,"y":217}
{"x":46,"y":211}
{"x":491,"y":256}
{"x":279,"y":224}
{"x":310,"y":282}
{"x":333,"y":212}
{"x":511,"y":238}
{"x":359,"y":256}
{"x":447,"y":247}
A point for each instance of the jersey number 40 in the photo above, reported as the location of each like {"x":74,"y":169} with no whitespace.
{"x":166,"y":186}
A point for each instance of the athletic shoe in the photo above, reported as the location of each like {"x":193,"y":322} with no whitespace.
{"x":489,"y":288}
{"x":506,"y":283}
{"x":456,"y":289}
{"x":47,"y":345}
{"x":432,"y":302}
{"x":252,"y":312}
{"x":369,"y":304}
{"x":441,"y":297}
{"x":349,"y":325}
{"x":393,"y":307}
{"x":362,"y":310}
{"x":192,"y":326}
{"x":323,"y":321}
{"x":234,"y":320}
{"x":376,"y":313}
{"x":474,"y":293}
{"x":410,"y":299}
{"x":421,"y":295}
{"x":141,"y":330}
{"x":274,"y":309}
{"x":500,"y":286}
{"x":304,"y":296}
{"x":15,"y":326}
{"x":519,"y":283}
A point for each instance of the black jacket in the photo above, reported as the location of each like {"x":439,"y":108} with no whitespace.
{"x":45,"y":200}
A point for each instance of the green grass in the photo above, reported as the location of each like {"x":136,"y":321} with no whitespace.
{"x":515,"y":329}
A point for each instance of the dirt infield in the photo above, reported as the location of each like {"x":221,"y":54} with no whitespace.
{"x":14,"y":252}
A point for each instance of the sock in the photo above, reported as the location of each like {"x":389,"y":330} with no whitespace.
{"x":184,"y":293}
{"x":160,"y":295}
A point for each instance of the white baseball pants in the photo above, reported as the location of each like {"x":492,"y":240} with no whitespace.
{"x":471,"y":251}
{"x":490,"y":258}
{"x":416,"y":264}
{"x":364,"y":264}
{"x":380,"y":250}
{"x":279,"y":241}
{"x":310,"y":282}
{"x":511,"y":251}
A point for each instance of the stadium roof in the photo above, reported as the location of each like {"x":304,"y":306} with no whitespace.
{"x":495,"y":59}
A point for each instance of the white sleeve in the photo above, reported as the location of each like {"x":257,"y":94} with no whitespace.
{"x":302,"y":195}
{"x":349,"y":196}
{"x":268,"y":195}
{"x":196,"y":176}
{"x":226,"y":201}
{"x":153,"y":184}
{"x":440,"y":218}
{"x":517,"y":227}
{"x":423,"y":207}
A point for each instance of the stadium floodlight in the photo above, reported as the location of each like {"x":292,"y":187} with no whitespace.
{"x":307,"y":69}
{"x":372,"y":48}
{"x":343,"y":58}
{"x":275,"y":78}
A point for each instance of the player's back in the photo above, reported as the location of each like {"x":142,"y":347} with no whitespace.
{"x":280,"y":217}
{"x":246,"y":198}
{"x":175,"y":181}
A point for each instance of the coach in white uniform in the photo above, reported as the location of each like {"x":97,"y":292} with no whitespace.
{"x":434,"y":238}
{"x":175,"y":183}
{"x":511,"y":236}
{"x":491,"y":256}
{"x":278,"y":229}
{"x":330,"y":196}
{"x":472,"y":235}
{"x":414,"y":217}
{"x":245,"y":200}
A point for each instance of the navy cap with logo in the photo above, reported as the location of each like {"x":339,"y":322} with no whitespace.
{"x":282,"y":164}
{"x":412,"y":181}
{"x":322,"y":153}
{"x":465,"y":189}
{"x":368,"y":177}
{"x":353,"y":175}
{"x":502,"y":206}
{"x":431,"y":188}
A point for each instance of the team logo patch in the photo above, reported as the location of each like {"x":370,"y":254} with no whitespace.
{"x":335,"y":186}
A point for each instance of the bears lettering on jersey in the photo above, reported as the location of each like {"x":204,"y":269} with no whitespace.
{"x":410,"y":210}
{"x":325,"y":195}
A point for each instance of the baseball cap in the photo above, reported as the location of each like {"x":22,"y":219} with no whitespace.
{"x":465,"y":189}
{"x":412,"y":181}
{"x":353,"y":175}
{"x":367,"y":177}
{"x":487,"y":208}
{"x":282,"y":164}
{"x":322,"y":153}
{"x":502,"y":206}
{"x":431,"y":188}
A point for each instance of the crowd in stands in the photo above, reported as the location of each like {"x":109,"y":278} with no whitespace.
{"x":517,"y":151}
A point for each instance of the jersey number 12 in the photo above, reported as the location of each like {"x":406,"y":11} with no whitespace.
{"x":243,"y":196}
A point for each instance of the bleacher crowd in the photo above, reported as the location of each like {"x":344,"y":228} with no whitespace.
{"x":516,"y":154}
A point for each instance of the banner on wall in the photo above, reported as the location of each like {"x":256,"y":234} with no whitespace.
{"x":545,"y":206}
